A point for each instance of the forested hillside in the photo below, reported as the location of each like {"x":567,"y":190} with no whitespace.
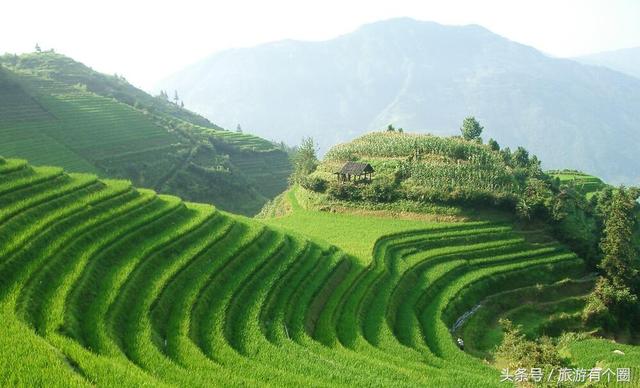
{"x":56,"y":111}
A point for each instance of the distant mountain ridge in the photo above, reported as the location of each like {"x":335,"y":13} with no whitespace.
{"x":626,"y":61}
{"x":424,"y":76}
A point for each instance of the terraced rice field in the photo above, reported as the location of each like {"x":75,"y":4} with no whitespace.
{"x":243,"y":141}
{"x":268,"y":170}
{"x":538,"y":310}
{"x":73,"y":128}
{"x":104,"y":284}
{"x":49,"y":119}
{"x":16,"y":105}
{"x":587,"y":184}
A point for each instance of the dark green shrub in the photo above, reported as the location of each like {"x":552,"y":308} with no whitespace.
{"x":493,"y":145}
{"x":314,"y":183}
{"x":380,"y":190}
{"x":344,"y":190}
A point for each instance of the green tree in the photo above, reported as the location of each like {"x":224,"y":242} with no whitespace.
{"x":239,"y":129}
{"x":571,"y":215}
{"x":613,"y":304}
{"x":516,"y":351}
{"x":305,"y":160}
{"x":521,"y":158}
{"x":175,"y":97}
{"x":620,"y":261}
{"x":493,"y":145}
{"x":535,"y":199}
{"x":610,"y":306}
{"x":471,"y":128}
{"x":506,"y":155}
{"x":390,"y":128}
{"x":38,"y":49}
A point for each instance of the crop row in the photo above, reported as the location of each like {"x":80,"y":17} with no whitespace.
{"x":82,"y":120}
{"x":393,"y":144}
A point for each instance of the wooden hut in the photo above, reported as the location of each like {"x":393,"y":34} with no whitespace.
{"x":359,"y":172}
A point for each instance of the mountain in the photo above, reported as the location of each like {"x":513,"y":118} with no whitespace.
{"x":625,"y":60}
{"x":56,"y":111}
{"x":427,"y":77}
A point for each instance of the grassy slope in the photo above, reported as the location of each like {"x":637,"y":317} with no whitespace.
{"x":96,"y":290}
{"x":591,"y":353}
{"x":56,"y":111}
{"x":354,"y":234}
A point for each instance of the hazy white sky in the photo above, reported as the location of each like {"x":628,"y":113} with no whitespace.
{"x":147,"y":40}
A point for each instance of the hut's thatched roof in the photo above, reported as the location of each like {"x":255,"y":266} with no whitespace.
{"x":355,"y":168}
